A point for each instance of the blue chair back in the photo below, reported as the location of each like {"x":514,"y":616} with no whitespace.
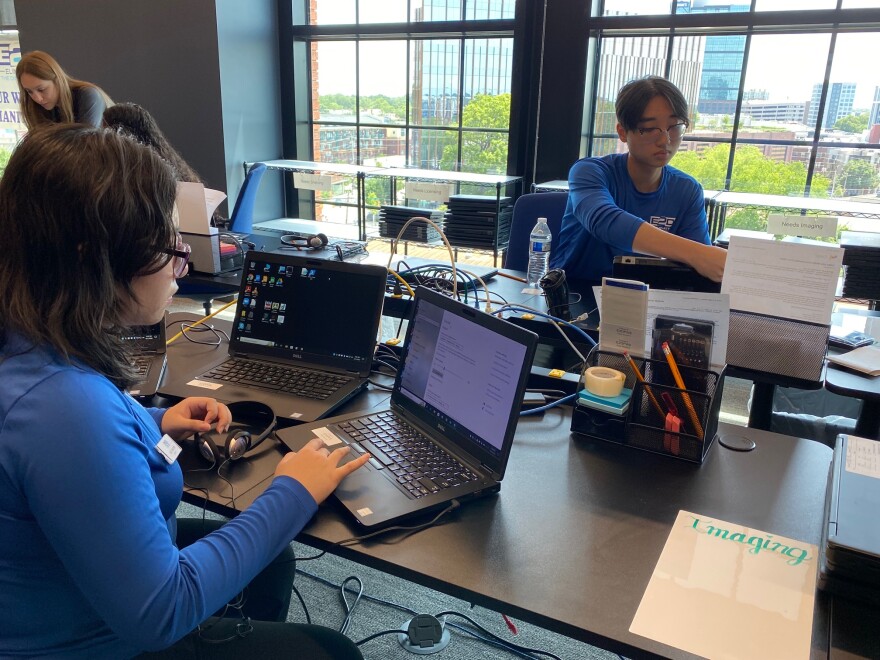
{"x":526,"y":211}
{"x":242,"y":219}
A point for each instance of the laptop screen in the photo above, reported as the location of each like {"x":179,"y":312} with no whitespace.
{"x":463,"y":373}
{"x":309,"y":310}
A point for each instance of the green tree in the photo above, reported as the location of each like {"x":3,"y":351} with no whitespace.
{"x":4,"y":159}
{"x":852,"y":123}
{"x":752,"y":172}
{"x":859,"y":176}
{"x":482,"y":152}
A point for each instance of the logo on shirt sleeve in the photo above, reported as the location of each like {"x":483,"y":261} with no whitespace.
{"x":662,"y":222}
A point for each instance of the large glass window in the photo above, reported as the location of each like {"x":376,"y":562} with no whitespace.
{"x":386,"y":87}
{"x":768,"y":113}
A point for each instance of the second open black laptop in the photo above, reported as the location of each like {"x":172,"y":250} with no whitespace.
{"x":448,"y":431}
{"x":302,"y":339}
{"x":148,"y":355}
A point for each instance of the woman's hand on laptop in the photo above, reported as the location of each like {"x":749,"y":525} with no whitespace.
{"x":317,"y":468}
{"x":195,"y":414}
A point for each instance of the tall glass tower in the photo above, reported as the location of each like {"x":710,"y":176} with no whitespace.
{"x":838,"y":104}
{"x":722,"y":60}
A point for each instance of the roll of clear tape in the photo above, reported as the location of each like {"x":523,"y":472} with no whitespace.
{"x":603,"y":381}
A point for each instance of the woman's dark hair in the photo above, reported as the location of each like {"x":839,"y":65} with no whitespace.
{"x":82,"y":212}
{"x":634,"y":96}
{"x":134,"y":120}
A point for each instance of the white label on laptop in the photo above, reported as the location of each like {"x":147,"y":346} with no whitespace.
{"x":169,"y":449}
{"x":305,"y":181}
{"x":366,"y":511}
{"x":863,"y":456}
{"x":203,"y":383}
{"x":327,"y":436}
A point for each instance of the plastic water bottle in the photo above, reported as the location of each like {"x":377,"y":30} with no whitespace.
{"x":539,"y":252}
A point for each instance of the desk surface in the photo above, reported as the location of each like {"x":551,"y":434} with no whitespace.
{"x":572,"y":539}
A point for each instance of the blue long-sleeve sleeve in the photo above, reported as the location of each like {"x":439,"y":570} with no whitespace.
{"x":604,"y":211}
{"x":87,"y":562}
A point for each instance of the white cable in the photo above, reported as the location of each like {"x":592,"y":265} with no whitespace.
{"x":445,"y":240}
{"x":555,"y":325}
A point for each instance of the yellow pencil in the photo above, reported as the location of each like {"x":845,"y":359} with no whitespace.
{"x":673,"y":367}
{"x":641,"y":378}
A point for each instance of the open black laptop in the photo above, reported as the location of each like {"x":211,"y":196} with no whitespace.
{"x":148,"y":356}
{"x":302,"y":340}
{"x":660,"y":273}
{"x":453,"y":413}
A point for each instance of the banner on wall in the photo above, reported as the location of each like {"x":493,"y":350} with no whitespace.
{"x":10,"y":113}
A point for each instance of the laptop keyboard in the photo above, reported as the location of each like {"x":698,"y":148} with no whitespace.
{"x":419,"y":465}
{"x":142,"y":365}
{"x":308,"y":383}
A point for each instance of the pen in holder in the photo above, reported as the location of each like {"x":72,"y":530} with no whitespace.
{"x":662,"y":417}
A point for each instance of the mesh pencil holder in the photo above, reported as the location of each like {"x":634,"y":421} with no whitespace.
{"x":645,"y":423}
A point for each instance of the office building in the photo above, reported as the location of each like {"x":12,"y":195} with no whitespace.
{"x":775,"y":111}
{"x":722,"y":60}
{"x":874,"y":115}
{"x":838,"y":104}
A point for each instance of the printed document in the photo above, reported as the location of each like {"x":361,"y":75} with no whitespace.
{"x":623,"y":316}
{"x":714,"y":307}
{"x":788,"y":280}
{"x":721,"y":590}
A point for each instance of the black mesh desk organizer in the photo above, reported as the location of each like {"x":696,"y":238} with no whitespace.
{"x":643,"y":427}
{"x":775,"y":345}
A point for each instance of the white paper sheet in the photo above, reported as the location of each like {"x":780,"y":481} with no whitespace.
{"x":721,"y":590}
{"x":713,"y":307}
{"x":195,"y":206}
{"x":782,"y":279}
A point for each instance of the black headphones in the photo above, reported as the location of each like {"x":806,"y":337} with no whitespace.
{"x":312,"y":242}
{"x":239,"y":438}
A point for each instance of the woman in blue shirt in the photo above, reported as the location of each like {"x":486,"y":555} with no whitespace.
{"x":88,"y":560}
{"x":635,"y":202}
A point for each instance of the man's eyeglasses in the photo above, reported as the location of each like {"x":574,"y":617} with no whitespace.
{"x":673,"y":133}
{"x":180,"y":254}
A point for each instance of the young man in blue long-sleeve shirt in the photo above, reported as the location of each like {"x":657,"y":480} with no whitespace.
{"x":635,"y":202}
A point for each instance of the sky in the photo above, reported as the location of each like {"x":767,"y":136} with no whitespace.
{"x":787,"y":66}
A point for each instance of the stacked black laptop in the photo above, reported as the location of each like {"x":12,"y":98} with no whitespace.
{"x":861,"y":261}
{"x":479,"y":221}
{"x":393,"y":218}
{"x":849,"y":555}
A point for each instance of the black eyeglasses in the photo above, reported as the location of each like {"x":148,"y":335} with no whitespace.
{"x":673,"y":133}
{"x":180,"y":254}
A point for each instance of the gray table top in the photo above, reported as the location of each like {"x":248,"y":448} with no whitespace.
{"x":572,"y":539}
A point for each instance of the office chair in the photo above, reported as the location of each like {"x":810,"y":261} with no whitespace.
{"x":526,"y":211}
{"x":242,"y":219}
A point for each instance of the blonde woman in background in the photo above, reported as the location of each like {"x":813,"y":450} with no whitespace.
{"x":50,"y":96}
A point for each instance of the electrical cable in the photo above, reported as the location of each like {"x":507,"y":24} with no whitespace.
{"x":516,"y":307}
{"x":202,"y":320}
{"x":525,"y":649}
{"x":552,"y":404}
{"x":500,"y":643}
{"x":445,"y":241}
{"x":303,"y":603}
{"x":409,"y":529}
{"x":349,"y":609}
{"x":402,"y":281}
